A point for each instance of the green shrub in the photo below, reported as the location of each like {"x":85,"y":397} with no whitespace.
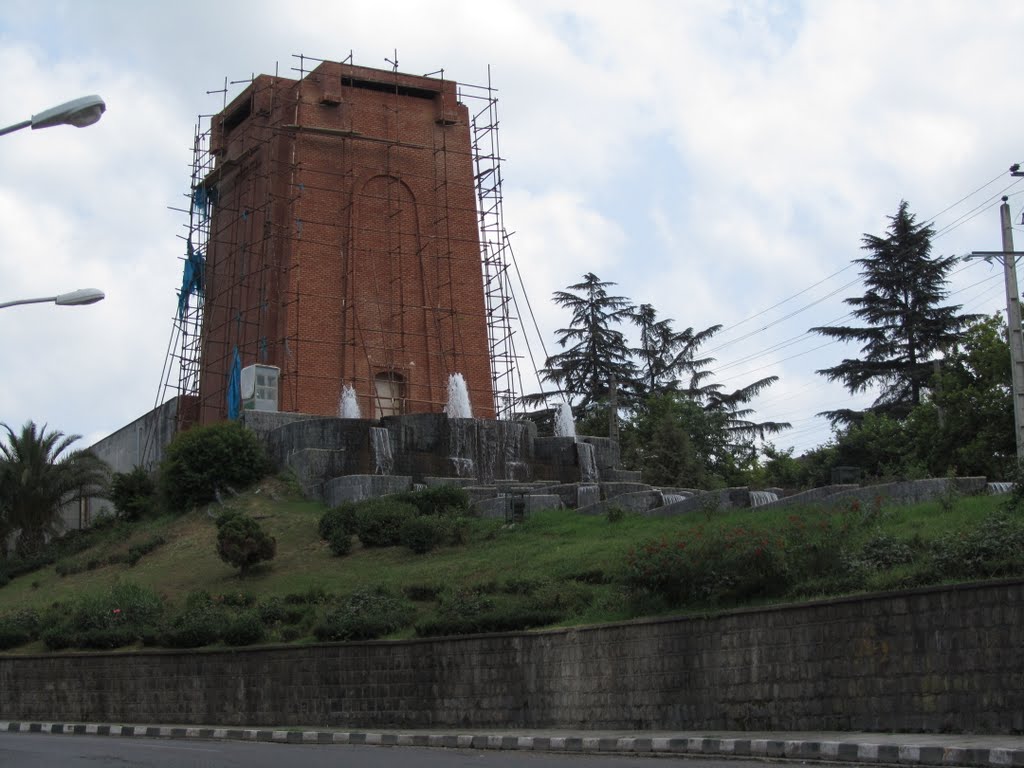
{"x":343,"y":517}
{"x":275,"y":611}
{"x":991,"y":549}
{"x":503,"y":619}
{"x":437,"y":500}
{"x":245,"y":629}
{"x":422,"y":592}
{"x":421,"y":534}
{"x":4,"y":579}
{"x":516,"y":586}
{"x":137,"y":551}
{"x":720,"y":567}
{"x":19,"y":566}
{"x":340,"y":542}
{"x":199,"y":623}
{"x":563,"y":598}
{"x":592,"y":576}
{"x":616,"y":514}
{"x":242,"y":543}
{"x":106,"y":638}
{"x":271,"y":611}
{"x":18,"y":628}
{"x":469,"y":611}
{"x":237,"y":599}
{"x":315,"y":595}
{"x":58,"y":637}
{"x":380,"y":521}
{"x":883,"y":552}
{"x":205,"y":460}
{"x":366,"y":615}
{"x":133,"y":493}
{"x":115,"y":617}
{"x":68,"y":568}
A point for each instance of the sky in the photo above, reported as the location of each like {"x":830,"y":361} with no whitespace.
{"x":718,"y":160}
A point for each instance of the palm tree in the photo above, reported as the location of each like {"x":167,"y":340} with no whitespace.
{"x":38,"y":476}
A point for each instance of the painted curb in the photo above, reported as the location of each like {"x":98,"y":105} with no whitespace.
{"x":922,"y":754}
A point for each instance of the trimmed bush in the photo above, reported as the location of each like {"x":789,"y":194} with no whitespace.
{"x":342,"y":517}
{"x":137,"y":551}
{"x":380,"y":521}
{"x":245,"y":629}
{"x":437,"y":500}
{"x":468,"y":611}
{"x":133,"y":493}
{"x":422,"y":534}
{"x":340,"y":542}
{"x":366,"y":615}
{"x":18,"y":628}
{"x":205,"y":460}
{"x":242,"y":543}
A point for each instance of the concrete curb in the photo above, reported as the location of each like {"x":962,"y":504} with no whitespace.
{"x":890,"y":753}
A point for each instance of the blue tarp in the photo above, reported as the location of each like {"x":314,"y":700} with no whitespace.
{"x":202,"y":199}
{"x":193,"y":278}
{"x":235,"y":387}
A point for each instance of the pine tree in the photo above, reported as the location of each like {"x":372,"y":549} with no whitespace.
{"x":665,"y":355}
{"x":595,"y":349}
{"x":905,"y":322}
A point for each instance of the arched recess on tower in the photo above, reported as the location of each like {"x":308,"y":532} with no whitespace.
{"x":387,"y":297}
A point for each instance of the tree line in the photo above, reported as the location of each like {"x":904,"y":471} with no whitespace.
{"x":942,"y":379}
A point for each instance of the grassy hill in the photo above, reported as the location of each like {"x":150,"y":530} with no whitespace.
{"x":557,"y":568}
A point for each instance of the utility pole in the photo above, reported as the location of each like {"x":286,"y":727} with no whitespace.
{"x":1009,"y":258}
{"x":613,"y":410}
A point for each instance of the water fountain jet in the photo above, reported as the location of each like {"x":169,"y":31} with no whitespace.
{"x":458,"y":406}
{"x":564,"y":424}
{"x":348,"y":406}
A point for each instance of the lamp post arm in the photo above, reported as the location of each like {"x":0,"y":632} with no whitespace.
{"x":15,"y":127}
{"x":43,"y":300}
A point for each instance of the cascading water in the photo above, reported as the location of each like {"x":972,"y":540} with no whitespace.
{"x":759,"y":498}
{"x":999,"y":487}
{"x":458,"y":406}
{"x":383,"y":458}
{"x":463,"y":446}
{"x":348,"y":407}
{"x":512,"y":439}
{"x":587,"y":495}
{"x":588,"y":464}
{"x":671,"y":498}
{"x":564,"y":424}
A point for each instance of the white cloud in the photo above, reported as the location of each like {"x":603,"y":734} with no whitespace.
{"x":711,"y":158}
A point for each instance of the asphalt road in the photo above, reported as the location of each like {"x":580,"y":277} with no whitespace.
{"x":40,"y":750}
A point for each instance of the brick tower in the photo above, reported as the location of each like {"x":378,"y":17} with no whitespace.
{"x":343,"y":245}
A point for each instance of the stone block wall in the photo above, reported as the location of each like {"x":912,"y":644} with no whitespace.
{"x":940,"y":659}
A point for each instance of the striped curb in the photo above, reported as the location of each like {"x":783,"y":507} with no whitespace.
{"x":836,"y":751}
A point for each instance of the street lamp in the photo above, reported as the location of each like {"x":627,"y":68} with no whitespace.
{"x":74,"y":298}
{"x":77,"y":112}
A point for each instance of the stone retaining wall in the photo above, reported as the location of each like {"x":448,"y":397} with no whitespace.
{"x":940,"y":659}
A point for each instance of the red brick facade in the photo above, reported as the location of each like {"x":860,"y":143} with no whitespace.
{"x":343,"y":246}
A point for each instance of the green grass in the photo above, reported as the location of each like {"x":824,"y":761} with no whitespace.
{"x":572,"y":560}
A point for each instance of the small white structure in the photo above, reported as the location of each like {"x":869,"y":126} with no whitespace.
{"x":259,"y":387}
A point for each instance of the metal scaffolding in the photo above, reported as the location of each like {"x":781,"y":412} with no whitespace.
{"x":198,"y":319}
